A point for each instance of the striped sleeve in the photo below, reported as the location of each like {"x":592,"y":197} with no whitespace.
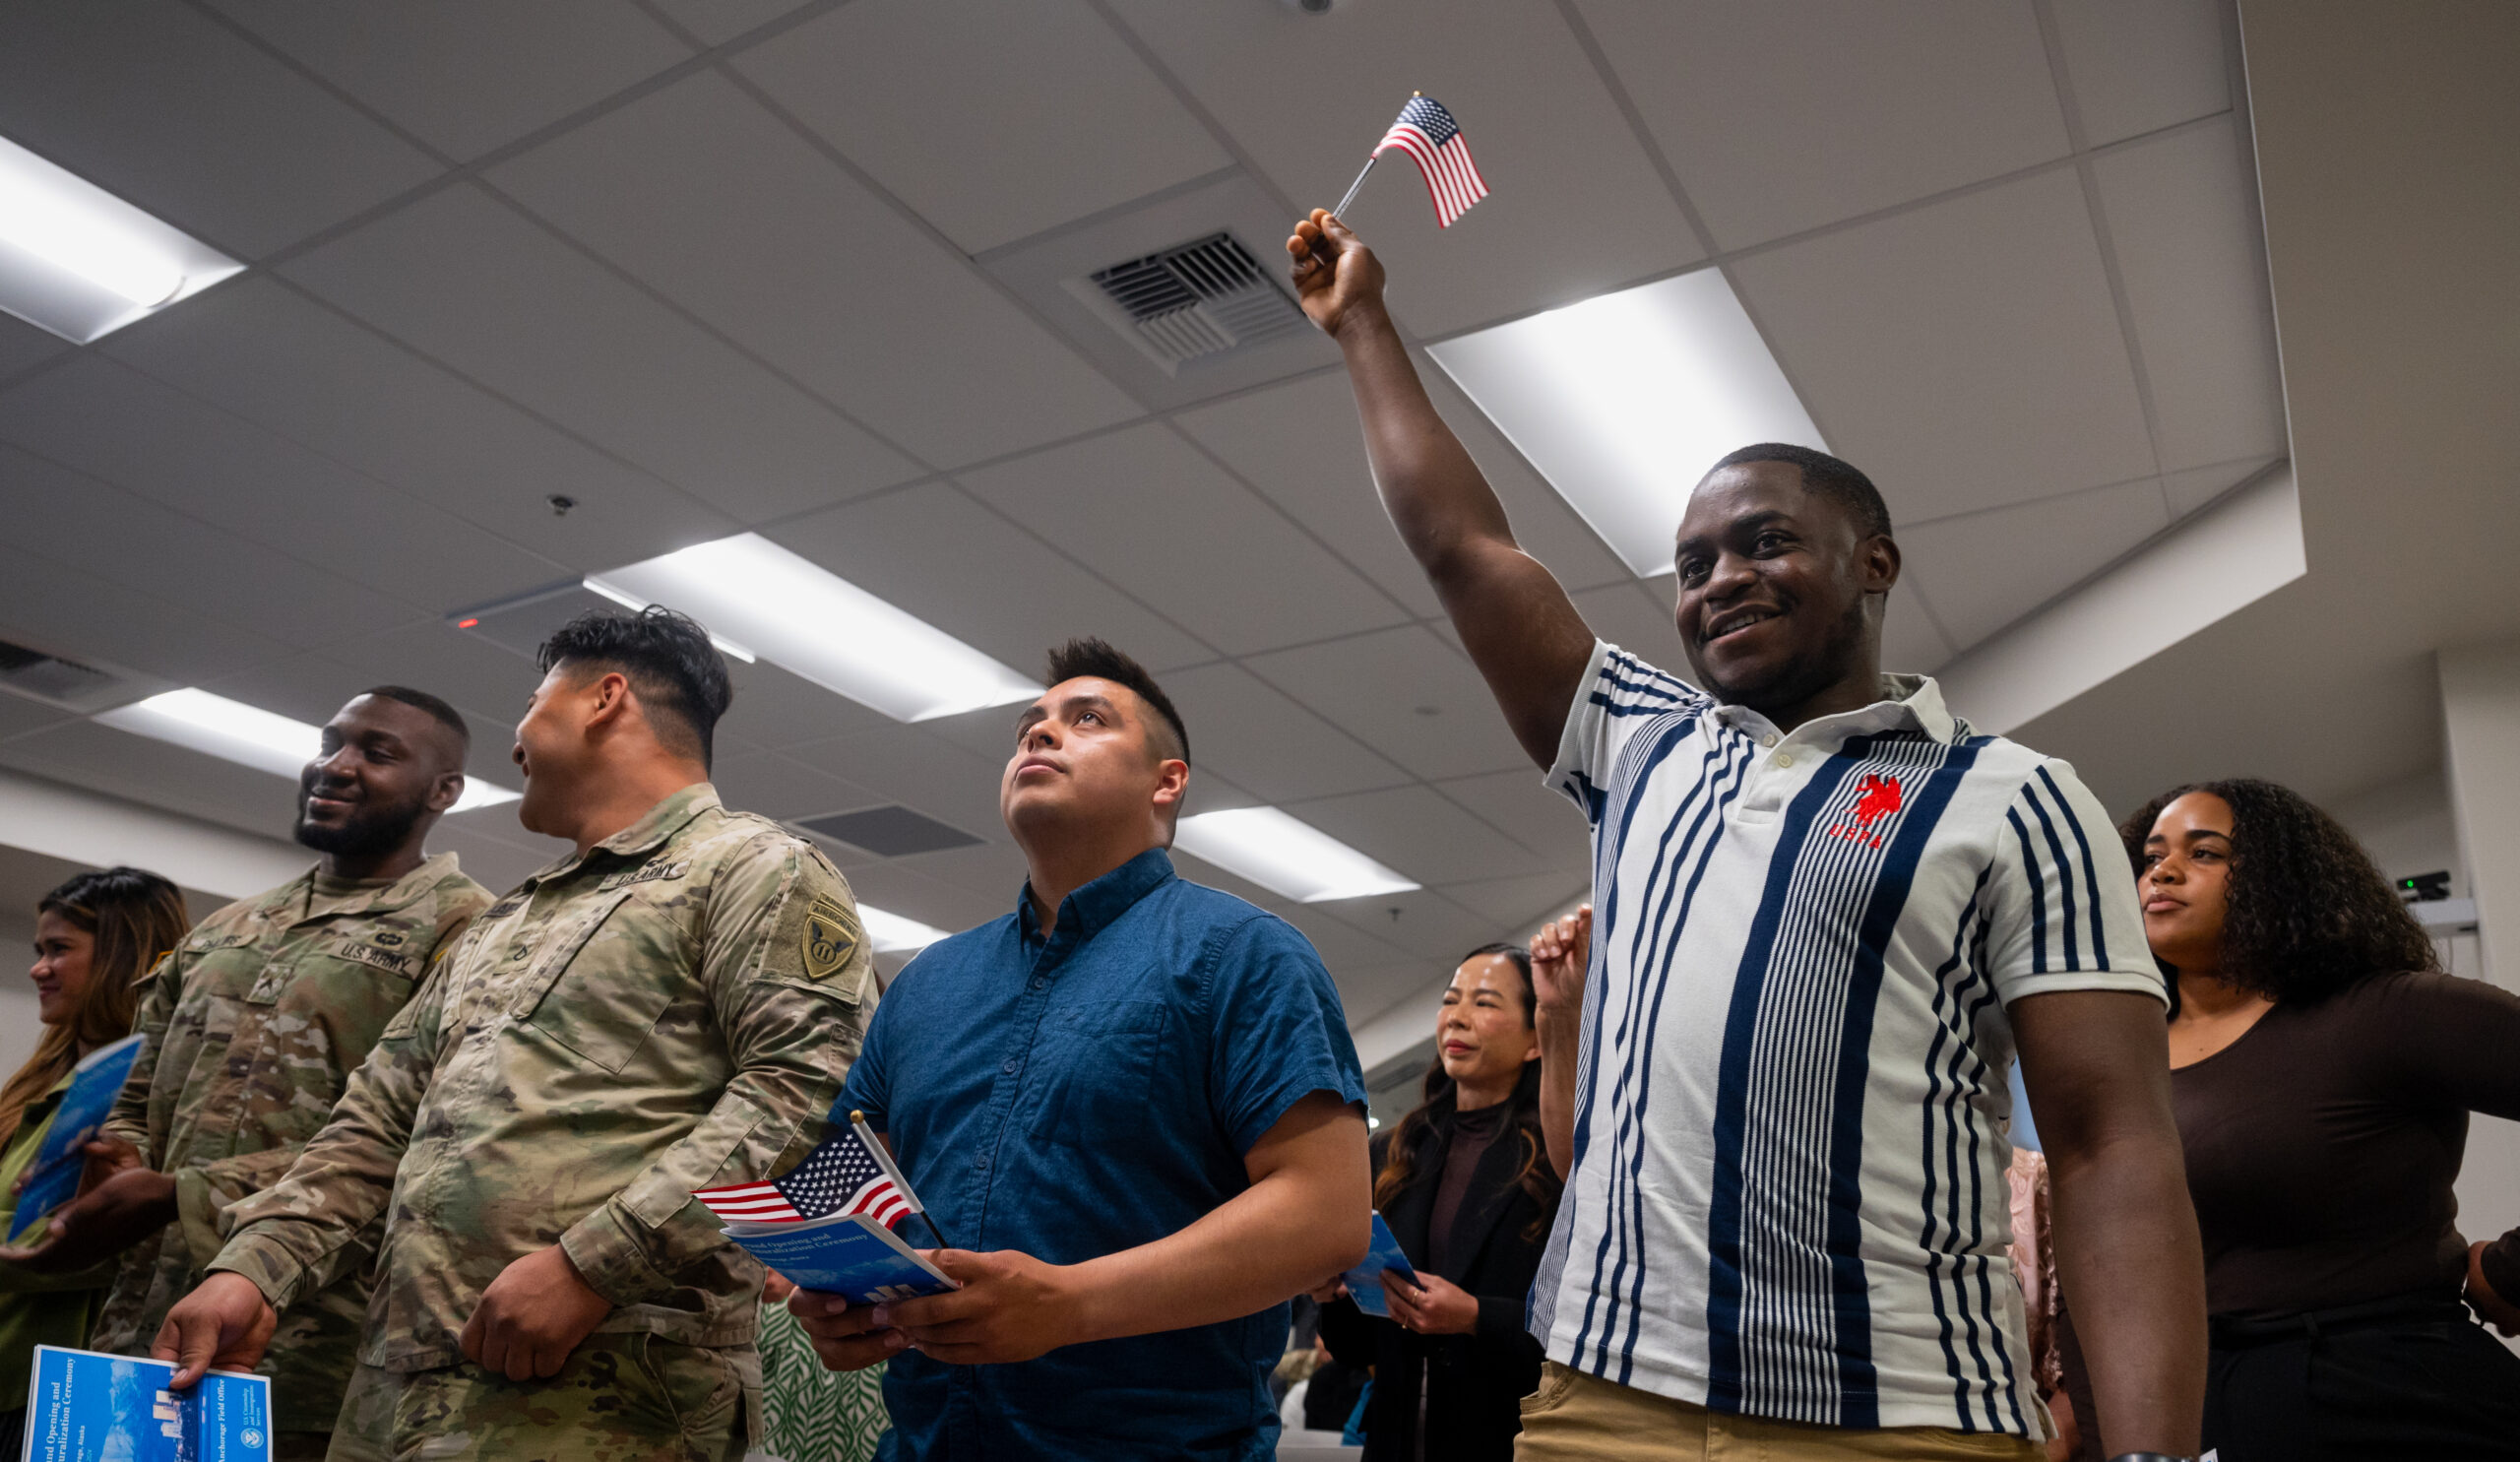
{"x":1617,"y":694}
{"x":2063,"y":911}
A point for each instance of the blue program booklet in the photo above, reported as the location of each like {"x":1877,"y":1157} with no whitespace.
{"x":844,"y":1254}
{"x":82,"y":1406}
{"x":1365,"y":1282}
{"x":52,"y":1175}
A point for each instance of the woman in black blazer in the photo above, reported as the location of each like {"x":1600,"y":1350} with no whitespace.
{"x":1465,"y":1183}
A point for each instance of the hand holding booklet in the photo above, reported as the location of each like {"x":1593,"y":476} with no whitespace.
{"x":52,"y":1174}
{"x":1365,"y":1282}
{"x":82,"y":1405}
{"x":829,"y":1224}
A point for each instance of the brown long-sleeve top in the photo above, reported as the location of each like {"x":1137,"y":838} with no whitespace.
{"x":2322,"y":1145}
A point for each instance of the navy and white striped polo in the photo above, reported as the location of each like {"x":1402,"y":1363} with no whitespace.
{"x":1790,"y":1127}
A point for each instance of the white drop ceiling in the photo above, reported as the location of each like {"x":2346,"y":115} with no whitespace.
{"x":713,"y":266}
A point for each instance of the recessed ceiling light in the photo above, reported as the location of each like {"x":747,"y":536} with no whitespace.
{"x":795,"y":614}
{"x":1624,"y":401}
{"x":251,"y":737}
{"x":893,"y":931}
{"x":1291,"y":858}
{"x":82,"y":263}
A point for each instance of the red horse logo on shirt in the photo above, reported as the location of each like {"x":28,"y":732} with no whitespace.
{"x":1876,"y":797}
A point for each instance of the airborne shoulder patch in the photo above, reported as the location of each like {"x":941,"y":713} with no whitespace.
{"x":830,"y":940}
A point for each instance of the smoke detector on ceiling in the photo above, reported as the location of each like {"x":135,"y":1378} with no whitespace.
{"x":1203,"y":298}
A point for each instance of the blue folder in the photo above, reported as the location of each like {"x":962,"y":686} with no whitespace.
{"x":82,"y":1405}
{"x":52,"y":1175}
{"x":1365,"y":1282}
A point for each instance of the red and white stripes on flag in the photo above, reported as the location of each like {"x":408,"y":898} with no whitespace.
{"x":842,"y":1176}
{"x":1432,"y":139}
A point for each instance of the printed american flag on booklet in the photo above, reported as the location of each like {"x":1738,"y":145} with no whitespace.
{"x":841,"y":1176}
{"x":1432,"y":139}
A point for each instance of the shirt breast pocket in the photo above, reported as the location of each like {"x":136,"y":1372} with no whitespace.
{"x":606,"y":980}
{"x":1102,"y":1061}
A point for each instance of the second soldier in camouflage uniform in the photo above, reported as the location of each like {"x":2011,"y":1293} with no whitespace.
{"x":253,"y":1025}
{"x":674,"y":1006}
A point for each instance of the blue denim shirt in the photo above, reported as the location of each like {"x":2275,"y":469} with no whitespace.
{"x":1081,"y":1095}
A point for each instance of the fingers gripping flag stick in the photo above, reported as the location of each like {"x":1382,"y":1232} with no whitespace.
{"x":850,"y":1172}
{"x":1432,"y":139}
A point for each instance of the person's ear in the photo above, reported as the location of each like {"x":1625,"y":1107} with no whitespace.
{"x":608,"y":701}
{"x":1172,"y":782}
{"x":1878,"y":562}
{"x":446,"y":791}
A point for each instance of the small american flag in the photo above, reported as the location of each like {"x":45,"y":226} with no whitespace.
{"x":840,"y":1177}
{"x":1432,"y":139}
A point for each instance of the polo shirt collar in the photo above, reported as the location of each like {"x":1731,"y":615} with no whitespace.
{"x":1907,"y":703}
{"x":1091,"y":908}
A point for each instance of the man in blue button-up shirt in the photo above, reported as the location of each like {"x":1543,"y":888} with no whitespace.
{"x":1134,"y":1101}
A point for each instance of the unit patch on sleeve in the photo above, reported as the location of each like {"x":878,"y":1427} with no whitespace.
{"x":830,"y":939}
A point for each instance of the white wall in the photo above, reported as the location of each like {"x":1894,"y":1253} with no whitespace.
{"x":21,"y":1018}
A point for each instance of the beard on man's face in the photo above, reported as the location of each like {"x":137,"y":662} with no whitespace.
{"x":365,"y":831}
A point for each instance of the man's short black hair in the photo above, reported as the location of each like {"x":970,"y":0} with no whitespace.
{"x":1096,"y":657}
{"x":666,"y":656}
{"x":1827,"y":476}
{"x":439,"y":711}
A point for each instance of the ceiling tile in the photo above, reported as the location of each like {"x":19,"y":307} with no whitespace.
{"x":488,"y":683}
{"x":1636,"y":616}
{"x":1919,"y":98}
{"x":78,"y":613}
{"x":23,"y":345}
{"x":2193,"y":488}
{"x":2139,"y":65}
{"x":2181,"y":213}
{"x":897,"y":888}
{"x":1248,"y":732}
{"x":976,"y":112}
{"x":467,"y":76}
{"x":1299,"y":444}
{"x":781,"y":788}
{"x":164,"y":106}
{"x":277,"y":357}
{"x":1517,"y":805}
{"x":112,"y":422}
{"x":916,"y":768}
{"x":774,"y":707}
{"x":200,"y":569}
{"x":711,"y":201}
{"x":937,"y":552}
{"x":1145,"y":510}
{"x":19,"y":715}
{"x":1964,"y":354}
{"x":1527,"y":97}
{"x":1342,"y":946}
{"x":465,"y":280}
{"x":158,"y":773}
{"x":1403,"y":692}
{"x":1428,"y":925}
{"x":1367,"y":991}
{"x":1520,"y":903}
{"x":1992,"y":568}
{"x":716,"y":22}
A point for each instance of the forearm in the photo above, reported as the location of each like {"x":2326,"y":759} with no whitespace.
{"x":1279,"y":1237}
{"x":1559,"y":1049}
{"x":1433,"y":490}
{"x":2133,"y":1274}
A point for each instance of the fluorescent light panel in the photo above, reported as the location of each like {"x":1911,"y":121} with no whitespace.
{"x":251,"y":737}
{"x":82,"y":263}
{"x":795,"y":614}
{"x":1624,"y":401}
{"x":892,"y":933}
{"x":1286,"y":856}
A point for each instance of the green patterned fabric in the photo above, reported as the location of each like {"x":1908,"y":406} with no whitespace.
{"x":810,"y":1414}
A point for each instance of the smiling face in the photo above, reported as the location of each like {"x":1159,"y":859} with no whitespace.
{"x":1485,"y":1034}
{"x":1090,"y":753}
{"x":2185,"y":881}
{"x":63,"y":952}
{"x":385,"y":766}
{"x":1779,"y":595}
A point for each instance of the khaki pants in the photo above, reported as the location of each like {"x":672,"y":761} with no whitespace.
{"x":1577,"y":1416}
{"x":620,"y":1398}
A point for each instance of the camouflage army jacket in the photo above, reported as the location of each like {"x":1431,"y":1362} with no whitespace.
{"x":676,"y":1009}
{"x":253,"y":1026}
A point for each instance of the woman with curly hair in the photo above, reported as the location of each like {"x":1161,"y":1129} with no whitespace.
{"x":2323,"y":1069}
{"x":1465,"y":1183}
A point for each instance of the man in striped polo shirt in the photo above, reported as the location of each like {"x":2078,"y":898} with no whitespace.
{"x":1829,"y":913}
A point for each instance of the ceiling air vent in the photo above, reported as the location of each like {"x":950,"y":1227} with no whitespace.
{"x":61,"y":682}
{"x":1197,"y":300}
{"x":888,"y":832}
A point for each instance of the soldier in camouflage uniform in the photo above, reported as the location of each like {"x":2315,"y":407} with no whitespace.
{"x":673,"y":1006}
{"x":254,"y":1024}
